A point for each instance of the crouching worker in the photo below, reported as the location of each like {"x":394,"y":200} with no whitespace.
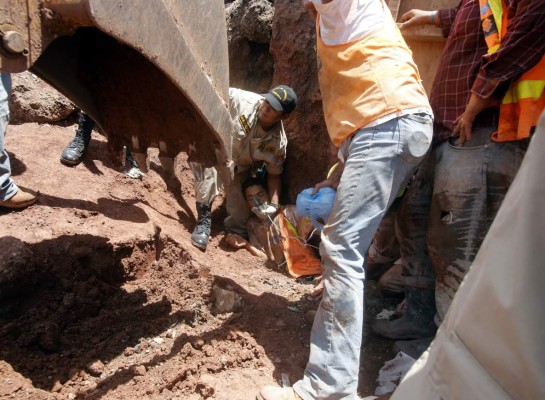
{"x":282,"y":237}
{"x":258,"y":139}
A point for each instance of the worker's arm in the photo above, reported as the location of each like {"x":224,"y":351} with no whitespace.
{"x":274,"y":183}
{"x":238,"y":242}
{"x":442,"y":18}
{"x":419,"y":17}
{"x":332,"y":180}
{"x":521,"y":48}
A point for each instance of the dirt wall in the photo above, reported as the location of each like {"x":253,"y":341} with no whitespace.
{"x":273,"y":43}
{"x":310,"y":151}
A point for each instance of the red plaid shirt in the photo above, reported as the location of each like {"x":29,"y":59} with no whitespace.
{"x":465,"y":67}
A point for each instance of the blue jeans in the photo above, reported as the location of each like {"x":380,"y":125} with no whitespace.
{"x":8,"y":189}
{"x":380,"y":160}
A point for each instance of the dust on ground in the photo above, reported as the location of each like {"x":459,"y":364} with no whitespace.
{"x":109,"y":300}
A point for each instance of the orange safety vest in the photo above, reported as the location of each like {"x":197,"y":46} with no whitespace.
{"x":363,"y":80}
{"x":300,"y":259}
{"x":525,"y":99}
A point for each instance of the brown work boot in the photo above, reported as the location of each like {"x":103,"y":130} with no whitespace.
{"x":277,"y":393}
{"x":21,"y":199}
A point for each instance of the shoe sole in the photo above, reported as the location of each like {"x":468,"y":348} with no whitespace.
{"x":19,"y":206}
{"x":200,"y":246}
{"x":70,"y":163}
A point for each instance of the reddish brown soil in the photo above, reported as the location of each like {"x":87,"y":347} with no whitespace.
{"x":109,"y":300}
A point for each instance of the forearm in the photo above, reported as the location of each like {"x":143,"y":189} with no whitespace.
{"x":415,"y":17}
{"x":521,"y":48}
{"x":335,"y":175}
{"x":274,"y":185}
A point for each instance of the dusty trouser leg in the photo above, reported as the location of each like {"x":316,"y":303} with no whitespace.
{"x":392,"y":282}
{"x":411,"y":223}
{"x":207,"y":186}
{"x":380,"y":160}
{"x":8,"y":188}
{"x":384,"y":250}
{"x":10,"y":195}
{"x":74,"y":152}
{"x":237,"y":207}
{"x":471,"y":183}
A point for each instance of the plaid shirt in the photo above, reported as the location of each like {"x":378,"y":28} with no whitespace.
{"x":465,"y":67}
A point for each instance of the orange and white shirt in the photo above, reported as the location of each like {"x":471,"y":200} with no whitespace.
{"x":367,"y":74}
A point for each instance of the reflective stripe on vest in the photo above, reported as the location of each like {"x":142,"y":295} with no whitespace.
{"x":525,"y":99}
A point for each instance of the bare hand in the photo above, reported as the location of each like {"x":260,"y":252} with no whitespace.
{"x":317,"y":292}
{"x":416,"y":18}
{"x":235,"y":241}
{"x":463,"y":125}
{"x":323,"y":184}
{"x":254,"y":251}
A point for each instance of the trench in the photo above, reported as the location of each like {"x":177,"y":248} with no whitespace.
{"x":140,"y":317}
{"x":82,"y":317}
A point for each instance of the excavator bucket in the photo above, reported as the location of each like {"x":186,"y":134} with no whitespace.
{"x":151,"y":73}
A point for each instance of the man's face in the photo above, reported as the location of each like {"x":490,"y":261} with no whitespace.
{"x":256,"y":195}
{"x":267,"y":115}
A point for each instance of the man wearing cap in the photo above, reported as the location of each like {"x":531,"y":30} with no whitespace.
{"x":258,"y":139}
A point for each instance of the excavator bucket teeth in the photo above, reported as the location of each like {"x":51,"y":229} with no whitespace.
{"x":152,"y":70}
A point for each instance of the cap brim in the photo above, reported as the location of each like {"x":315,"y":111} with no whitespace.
{"x":273,"y":101}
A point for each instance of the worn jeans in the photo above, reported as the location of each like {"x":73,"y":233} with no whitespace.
{"x":8,"y":188}
{"x":380,"y":160}
{"x":450,"y":206}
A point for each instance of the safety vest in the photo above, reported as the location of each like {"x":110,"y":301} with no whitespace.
{"x":525,"y":99}
{"x":300,"y":259}
{"x":366,"y":79}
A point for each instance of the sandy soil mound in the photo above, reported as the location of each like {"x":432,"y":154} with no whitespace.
{"x":103,"y":296}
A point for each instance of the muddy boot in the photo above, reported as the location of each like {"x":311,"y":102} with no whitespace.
{"x":416,"y":323}
{"x":414,"y":348}
{"x":74,"y":152}
{"x":132,"y":169}
{"x":201,"y":233}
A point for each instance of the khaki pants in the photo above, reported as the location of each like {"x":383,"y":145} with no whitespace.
{"x":208,"y":182}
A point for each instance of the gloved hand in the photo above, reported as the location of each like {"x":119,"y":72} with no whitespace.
{"x":265,"y":211}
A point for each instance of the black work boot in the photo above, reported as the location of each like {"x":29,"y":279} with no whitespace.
{"x":414,"y":348}
{"x":74,"y":152}
{"x":418,"y":320}
{"x":201,"y":233}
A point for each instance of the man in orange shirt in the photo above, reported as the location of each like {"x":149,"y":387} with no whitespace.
{"x":377,"y":112}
